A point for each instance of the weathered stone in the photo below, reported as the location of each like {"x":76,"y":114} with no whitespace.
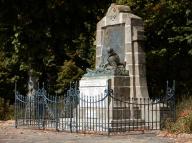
{"x":99,"y":37}
{"x":113,"y":38}
{"x":98,"y":60}
{"x":136,"y":58}
{"x":113,"y":15}
{"x":120,"y":81}
{"x":122,"y":93}
{"x":101,"y":23}
{"x":137,"y":47}
{"x":128,"y":32}
{"x":138,"y":81}
{"x":98,"y":51}
{"x":138,"y":33}
{"x":137,"y":22}
{"x":137,"y":70}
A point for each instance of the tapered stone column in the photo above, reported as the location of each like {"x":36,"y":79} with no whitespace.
{"x":124,"y":32}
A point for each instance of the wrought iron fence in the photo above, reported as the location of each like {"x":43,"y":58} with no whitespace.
{"x":105,"y":113}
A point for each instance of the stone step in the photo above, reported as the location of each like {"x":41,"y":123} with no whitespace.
{"x":129,"y":128}
{"x":127,"y":122}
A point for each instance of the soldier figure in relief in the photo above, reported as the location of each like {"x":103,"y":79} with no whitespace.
{"x":113,"y":60}
{"x":113,"y":63}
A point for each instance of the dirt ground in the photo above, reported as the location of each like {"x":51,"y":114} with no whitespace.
{"x":9,"y":134}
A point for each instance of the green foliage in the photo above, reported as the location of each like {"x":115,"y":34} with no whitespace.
{"x":69,"y":73}
{"x":6,"y":109}
{"x":52,"y":38}
{"x":183,"y":122}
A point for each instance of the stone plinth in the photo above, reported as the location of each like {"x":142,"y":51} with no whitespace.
{"x":96,"y":105}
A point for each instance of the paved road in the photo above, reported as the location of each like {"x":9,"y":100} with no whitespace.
{"x":8,"y":134}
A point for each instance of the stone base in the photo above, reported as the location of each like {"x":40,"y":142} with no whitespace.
{"x":96,"y":108}
{"x":95,"y":105}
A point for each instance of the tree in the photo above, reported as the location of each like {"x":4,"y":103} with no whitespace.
{"x":42,"y":35}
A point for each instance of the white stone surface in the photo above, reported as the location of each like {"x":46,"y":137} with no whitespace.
{"x":92,"y":90}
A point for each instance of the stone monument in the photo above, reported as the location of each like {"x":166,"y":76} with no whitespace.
{"x":120,"y":63}
{"x":124,"y":32}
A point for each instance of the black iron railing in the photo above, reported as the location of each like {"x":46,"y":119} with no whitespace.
{"x":104,"y":113}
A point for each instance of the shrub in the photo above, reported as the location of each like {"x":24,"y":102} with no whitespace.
{"x":6,"y":110}
{"x":183,"y":123}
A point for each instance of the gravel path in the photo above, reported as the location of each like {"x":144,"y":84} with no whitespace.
{"x":8,"y":134}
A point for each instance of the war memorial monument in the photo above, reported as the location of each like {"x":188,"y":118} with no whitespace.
{"x":120,"y":66}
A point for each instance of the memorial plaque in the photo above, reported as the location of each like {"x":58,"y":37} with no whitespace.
{"x":114,"y":37}
{"x":93,"y":83}
{"x":93,"y":90}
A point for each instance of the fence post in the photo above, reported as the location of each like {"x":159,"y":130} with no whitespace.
{"x":57,"y":117}
{"x":174,"y":101}
{"x":108,"y":105}
{"x":15,"y":114}
{"x":71,"y":114}
{"x":77,"y":102}
{"x":108,"y":95}
{"x":76,"y":115}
